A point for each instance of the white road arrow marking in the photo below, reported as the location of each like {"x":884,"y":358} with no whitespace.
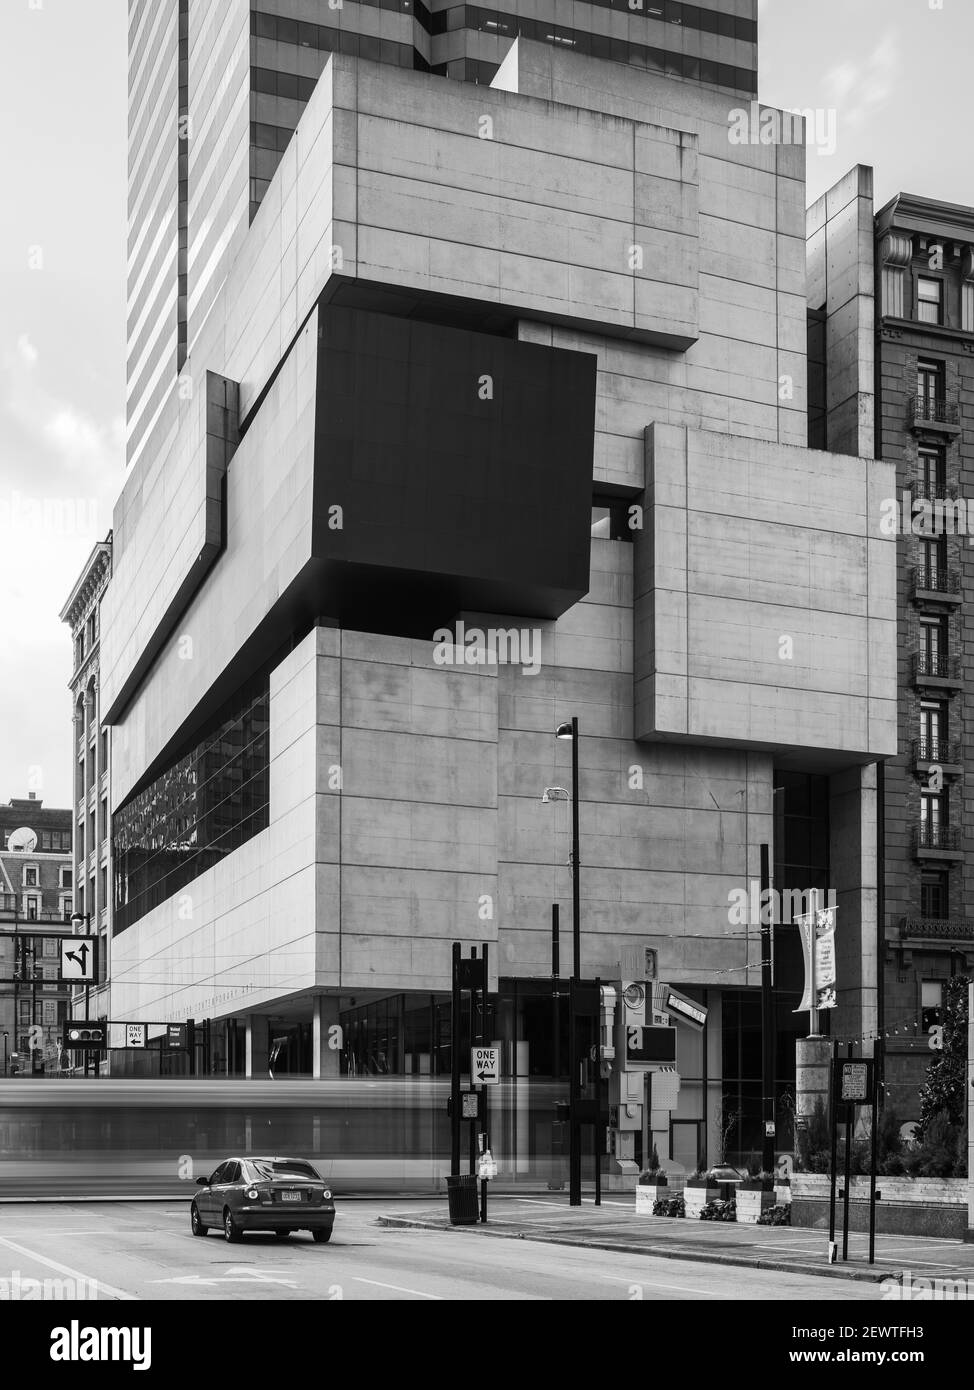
{"x":238,"y":1274}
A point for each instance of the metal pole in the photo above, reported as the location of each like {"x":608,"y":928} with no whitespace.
{"x":472,"y":1035}
{"x":599,"y":1140}
{"x":576,"y":864}
{"x":574,"y":1129}
{"x":574,"y":1095}
{"x":872,"y":1161}
{"x":848,"y":1174}
{"x":485,"y":1098}
{"x":767,"y":1014}
{"x":834,"y":1126}
{"x":455,"y":1066}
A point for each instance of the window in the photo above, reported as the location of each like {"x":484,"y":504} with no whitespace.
{"x":66,"y":909}
{"x":930,"y":384}
{"x":934,"y":898}
{"x":610,"y":519}
{"x":933,"y":563}
{"x":930,"y":300}
{"x":931,"y":471}
{"x":31,"y":908}
{"x":203,"y":807}
{"x":30,"y":875}
{"x":933,"y":813}
{"x":933,"y":730}
{"x":66,"y":878}
{"x":931,"y":998}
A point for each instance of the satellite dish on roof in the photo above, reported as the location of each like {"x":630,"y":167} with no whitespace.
{"x":22,"y":841}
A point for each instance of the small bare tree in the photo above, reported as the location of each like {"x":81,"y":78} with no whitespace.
{"x":725,"y":1118}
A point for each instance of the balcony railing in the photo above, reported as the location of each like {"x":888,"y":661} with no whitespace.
{"x":936,"y":581}
{"x":929,"y":410}
{"x":936,"y":837}
{"x":924,"y":490}
{"x":11,"y":907}
{"x":939,"y":665}
{"x":945,"y":928}
{"x":936,"y":750}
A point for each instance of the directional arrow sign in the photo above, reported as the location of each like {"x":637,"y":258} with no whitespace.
{"x":485,"y":1065}
{"x":78,"y":959}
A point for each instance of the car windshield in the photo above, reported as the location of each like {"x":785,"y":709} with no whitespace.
{"x":267,"y":1168}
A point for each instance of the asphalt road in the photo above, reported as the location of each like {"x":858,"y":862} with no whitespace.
{"x":145,"y":1251}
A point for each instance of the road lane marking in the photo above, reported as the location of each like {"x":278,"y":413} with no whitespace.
{"x":417,"y":1293}
{"x":682,"y":1288}
{"x":67,"y":1270}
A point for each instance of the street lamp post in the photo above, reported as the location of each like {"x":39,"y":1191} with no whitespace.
{"x":5,"y":1054}
{"x":569,"y":730}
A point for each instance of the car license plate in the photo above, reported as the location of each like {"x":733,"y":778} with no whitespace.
{"x":290,"y":1196}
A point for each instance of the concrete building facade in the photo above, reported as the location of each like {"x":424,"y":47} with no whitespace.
{"x":488,"y":425}
{"x":214,"y":103}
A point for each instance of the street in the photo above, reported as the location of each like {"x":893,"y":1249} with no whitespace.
{"x":146,"y":1251}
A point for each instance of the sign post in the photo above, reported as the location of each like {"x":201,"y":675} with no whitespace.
{"x":853,"y":1083}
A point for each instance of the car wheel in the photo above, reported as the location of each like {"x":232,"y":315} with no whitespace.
{"x":319,"y":1237}
{"x":230,"y":1228}
{"x":196,"y":1221}
{"x":282,"y":1235}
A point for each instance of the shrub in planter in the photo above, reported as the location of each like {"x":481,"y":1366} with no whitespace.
{"x":779,"y":1215}
{"x":755,"y":1195}
{"x":669,"y":1206}
{"x":651,"y":1183}
{"x":719,"y":1211}
{"x":700,"y":1189}
{"x":758,"y":1182}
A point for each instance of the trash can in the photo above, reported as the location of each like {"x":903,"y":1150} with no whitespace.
{"x":461,"y":1191}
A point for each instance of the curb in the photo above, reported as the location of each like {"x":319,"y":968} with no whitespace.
{"x":694,"y":1256}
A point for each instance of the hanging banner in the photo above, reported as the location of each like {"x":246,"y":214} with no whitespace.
{"x":817,"y":933}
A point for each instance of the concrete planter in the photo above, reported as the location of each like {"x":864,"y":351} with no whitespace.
{"x":751,"y":1202}
{"x":907,"y":1206}
{"x":697,"y":1198}
{"x":648,"y":1193}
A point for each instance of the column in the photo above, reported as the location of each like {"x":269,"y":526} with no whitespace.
{"x":256,"y":1051}
{"x":326,"y":1037}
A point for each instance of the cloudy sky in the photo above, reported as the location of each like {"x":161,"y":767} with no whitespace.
{"x":894,"y":72}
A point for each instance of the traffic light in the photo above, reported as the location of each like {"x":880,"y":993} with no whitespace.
{"x":90,"y":1036}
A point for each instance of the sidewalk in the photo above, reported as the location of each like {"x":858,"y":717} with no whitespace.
{"x":615,"y":1226}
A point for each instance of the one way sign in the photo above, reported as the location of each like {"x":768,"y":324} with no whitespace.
{"x":485,"y":1065}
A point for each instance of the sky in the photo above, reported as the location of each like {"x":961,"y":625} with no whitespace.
{"x":889,"y":80}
